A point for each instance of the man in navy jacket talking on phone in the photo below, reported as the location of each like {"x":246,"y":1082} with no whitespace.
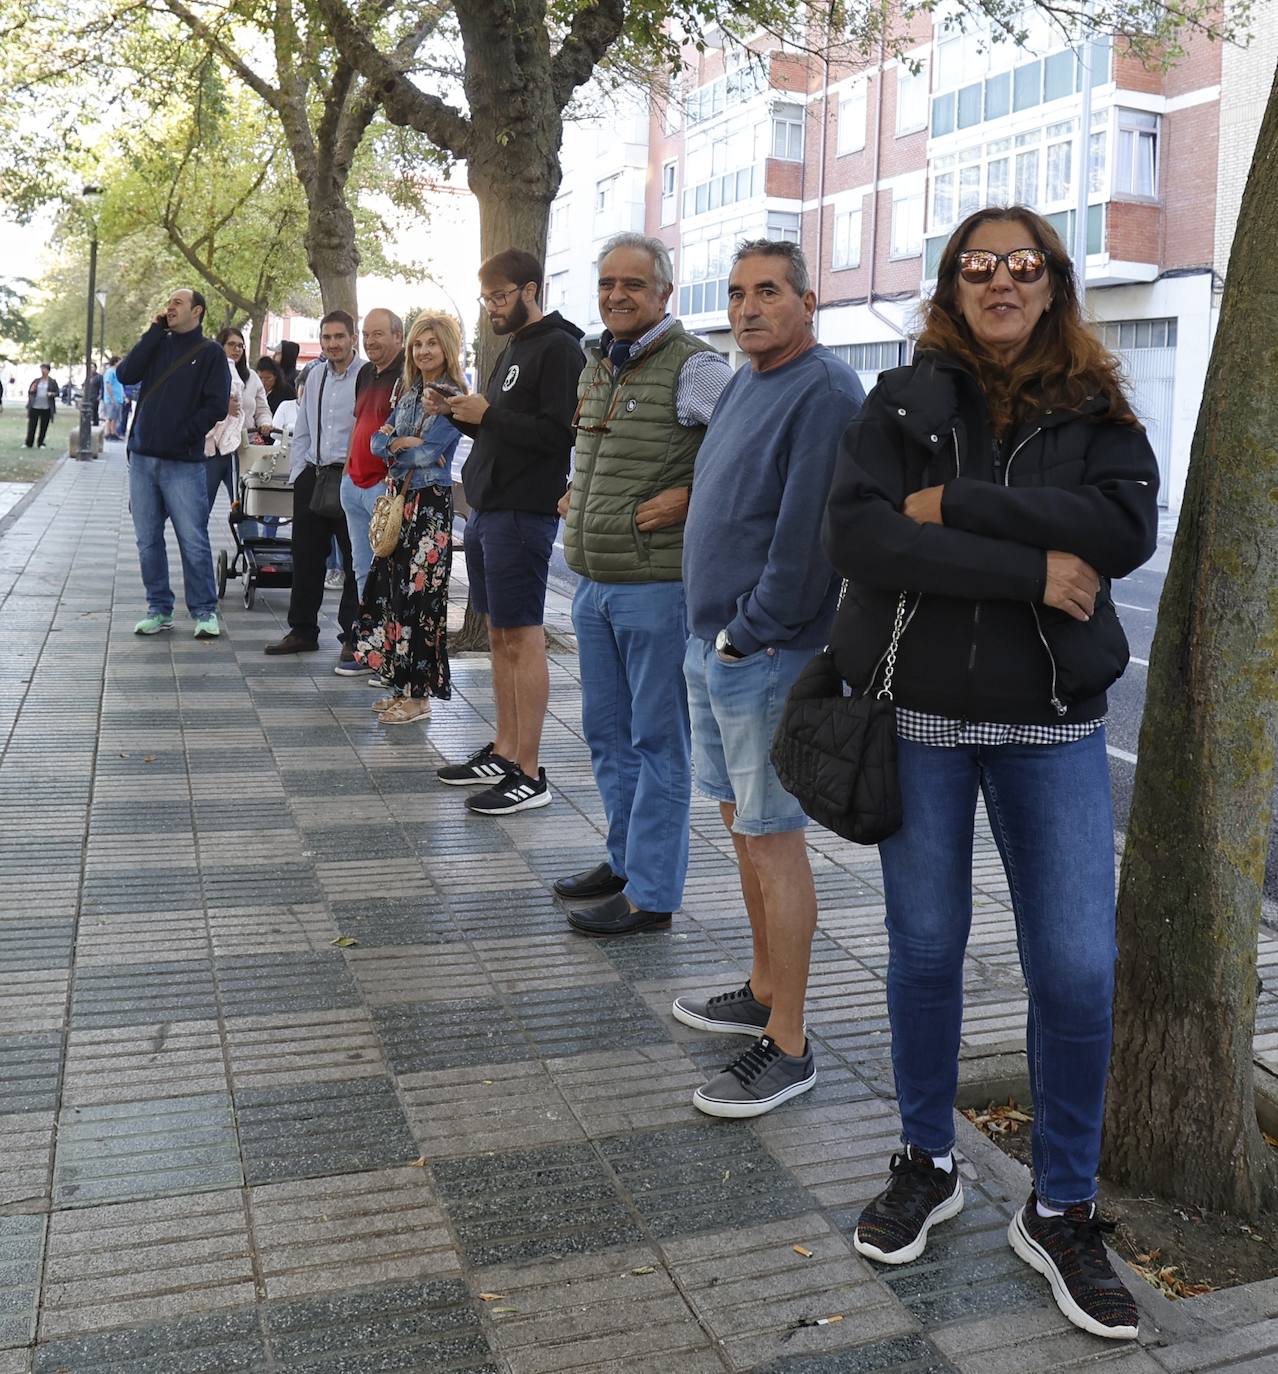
{"x":185,"y":390}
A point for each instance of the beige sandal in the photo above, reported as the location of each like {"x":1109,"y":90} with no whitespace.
{"x":385,"y":703}
{"x":405,"y":711}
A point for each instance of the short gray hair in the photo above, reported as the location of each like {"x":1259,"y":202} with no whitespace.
{"x":662,"y":267}
{"x":796,"y":264}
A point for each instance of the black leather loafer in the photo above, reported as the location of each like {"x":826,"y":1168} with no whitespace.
{"x":599,"y":881}
{"x":614,"y":917}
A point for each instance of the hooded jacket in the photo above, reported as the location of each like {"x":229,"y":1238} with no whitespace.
{"x":520,"y":456}
{"x":288,"y":362}
{"x":979,"y":644}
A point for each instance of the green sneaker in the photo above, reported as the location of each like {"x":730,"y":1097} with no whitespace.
{"x":153,"y":624}
{"x":207,"y":628}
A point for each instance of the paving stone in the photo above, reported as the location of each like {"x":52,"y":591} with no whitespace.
{"x":301,"y":1047}
{"x":628,"y":1090}
{"x":424,"y":1326}
{"x":144,"y":1262}
{"x":331,"y":1127}
{"x":145,"y":1148}
{"x":21,"y":1246}
{"x":126,"y":1064}
{"x":544,"y":963}
{"x":684,"y":952}
{"x":26,"y":1146}
{"x":420,"y":973}
{"x":486,"y":1107}
{"x":724,"y":1274}
{"x":143,"y":994}
{"x":281,"y":983}
{"x":35,"y":944}
{"x":420,"y":921}
{"x":533,"y":1204}
{"x":29,"y":1067}
{"x":912,"y":1354}
{"x":330,"y":1234}
{"x":34,"y":1000}
{"x":576,"y":1020}
{"x":1248,"y":1348}
{"x":612,"y":1311}
{"x":701,"y":1177}
{"x":218,"y":1344}
{"x":279,"y":884}
{"x":493,"y":915}
{"x":422,"y":1036}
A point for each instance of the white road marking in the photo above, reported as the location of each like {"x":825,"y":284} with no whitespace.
{"x":1144,"y":662}
{"x":1132,"y":606}
{"x":1120,"y":754}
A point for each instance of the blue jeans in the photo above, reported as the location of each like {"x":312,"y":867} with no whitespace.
{"x":634,"y":712}
{"x":1050,"y":810}
{"x":357,"y":502}
{"x":735,"y":708}
{"x":161,"y":488}
{"x":219,"y":471}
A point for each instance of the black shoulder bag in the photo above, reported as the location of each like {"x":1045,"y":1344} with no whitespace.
{"x":326,"y":495}
{"x":836,"y":754}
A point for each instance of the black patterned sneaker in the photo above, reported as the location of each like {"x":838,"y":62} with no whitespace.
{"x":730,"y":1013}
{"x":484,"y":766}
{"x":516,"y":792}
{"x":762,"y":1078}
{"x":893,"y":1228}
{"x":1069,"y":1251}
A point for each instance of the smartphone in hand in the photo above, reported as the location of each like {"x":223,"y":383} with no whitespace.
{"x":445,"y":389}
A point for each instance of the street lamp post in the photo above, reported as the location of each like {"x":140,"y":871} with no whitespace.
{"x":102,"y":300}
{"x":85,"y":446}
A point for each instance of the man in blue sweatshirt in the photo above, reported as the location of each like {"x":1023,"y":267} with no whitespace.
{"x":185,"y":391}
{"x":761,"y":598}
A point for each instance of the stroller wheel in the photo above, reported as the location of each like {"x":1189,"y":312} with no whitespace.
{"x":221,"y":574}
{"x":250,"y":591}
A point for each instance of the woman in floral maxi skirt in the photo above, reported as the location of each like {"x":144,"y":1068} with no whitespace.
{"x":402,"y":633}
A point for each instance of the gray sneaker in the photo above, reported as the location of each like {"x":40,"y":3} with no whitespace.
{"x":762,"y":1078}
{"x":729,"y":1013}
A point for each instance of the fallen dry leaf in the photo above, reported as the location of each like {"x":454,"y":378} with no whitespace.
{"x":1270,"y":1140}
{"x":148,"y":758}
{"x":645,"y":1269}
{"x":344,"y":941}
{"x":491,"y":1297}
{"x":418,"y":1163}
{"x":799,"y":1250}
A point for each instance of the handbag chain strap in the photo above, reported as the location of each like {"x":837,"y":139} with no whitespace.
{"x":898,"y":627}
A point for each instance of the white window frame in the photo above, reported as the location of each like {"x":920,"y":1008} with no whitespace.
{"x":791,"y":118}
{"x":846,"y":248}
{"x":606,"y":189}
{"x":918,"y":89}
{"x":670,"y":191}
{"x":853,"y":113}
{"x":907,"y":222}
{"x":1130,"y":126}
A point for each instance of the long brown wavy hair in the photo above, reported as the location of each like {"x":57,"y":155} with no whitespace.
{"x":1063,"y":364}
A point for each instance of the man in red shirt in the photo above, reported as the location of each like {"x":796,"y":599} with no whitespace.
{"x":365,"y":476}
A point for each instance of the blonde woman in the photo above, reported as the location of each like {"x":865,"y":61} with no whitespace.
{"x":402,"y":631}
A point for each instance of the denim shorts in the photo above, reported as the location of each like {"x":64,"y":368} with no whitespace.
{"x":734,"y":708}
{"x":507,"y":558}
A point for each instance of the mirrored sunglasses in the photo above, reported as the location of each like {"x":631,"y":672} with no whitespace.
{"x":1024,"y":265}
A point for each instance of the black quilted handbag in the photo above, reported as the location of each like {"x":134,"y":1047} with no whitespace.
{"x":836,"y":754}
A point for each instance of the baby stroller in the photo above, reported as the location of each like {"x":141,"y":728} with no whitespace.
{"x":261,"y":519}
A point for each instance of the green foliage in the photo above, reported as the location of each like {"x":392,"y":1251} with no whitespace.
{"x":15,"y":318}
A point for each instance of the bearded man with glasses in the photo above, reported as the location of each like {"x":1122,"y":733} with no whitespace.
{"x":521,"y":425}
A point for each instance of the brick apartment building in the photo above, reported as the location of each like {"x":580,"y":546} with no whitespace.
{"x":871,"y":164}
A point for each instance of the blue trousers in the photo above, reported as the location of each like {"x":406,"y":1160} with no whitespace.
{"x":160,"y":489}
{"x":358,"y":502}
{"x":631,"y":638}
{"x":1051,"y":814}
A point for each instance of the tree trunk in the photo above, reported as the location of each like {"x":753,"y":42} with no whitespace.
{"x":1181,"y":1116}
{"x":330,"y":248}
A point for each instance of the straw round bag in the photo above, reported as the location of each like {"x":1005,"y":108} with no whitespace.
{"x":387,"y":520}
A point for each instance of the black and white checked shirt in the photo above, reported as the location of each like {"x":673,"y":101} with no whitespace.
{"x":919,"y":727}
{"x":701,"y":379}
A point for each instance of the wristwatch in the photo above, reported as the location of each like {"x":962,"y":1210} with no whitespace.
{"x":723,"y":645}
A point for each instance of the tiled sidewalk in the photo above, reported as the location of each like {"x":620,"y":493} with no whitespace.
{"x":464,"y":1142}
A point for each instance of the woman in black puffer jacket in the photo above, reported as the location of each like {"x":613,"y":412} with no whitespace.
{"x":999,"y":483}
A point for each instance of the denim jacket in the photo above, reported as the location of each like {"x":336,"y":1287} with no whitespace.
{"x":430,"y":463}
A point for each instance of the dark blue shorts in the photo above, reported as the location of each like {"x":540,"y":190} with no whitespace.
{"x":507,"y":558}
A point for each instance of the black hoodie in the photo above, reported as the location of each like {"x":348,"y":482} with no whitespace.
{"x":288,"y":361}
{"x":522,"y":446}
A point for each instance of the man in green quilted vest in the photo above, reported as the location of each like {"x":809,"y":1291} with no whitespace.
{"x":643,"y":404}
